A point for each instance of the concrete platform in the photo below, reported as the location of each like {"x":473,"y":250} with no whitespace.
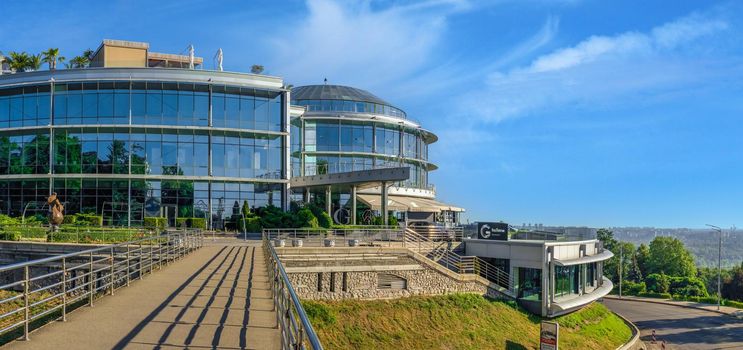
{"x":219,"y":298}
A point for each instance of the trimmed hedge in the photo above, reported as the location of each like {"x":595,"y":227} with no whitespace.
{"x":155,"y":222}
{"x":733,"y":303}
{"x":10,"y":236}
{"x":655,"y":295}
{"x":199,"y":223}
{"x":251,"y":224}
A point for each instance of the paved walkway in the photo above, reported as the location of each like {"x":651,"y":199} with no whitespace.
{"x":216,"y":298}
{"x":725,"y":310}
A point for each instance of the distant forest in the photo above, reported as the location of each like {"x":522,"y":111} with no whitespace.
{"x":701,"y":242}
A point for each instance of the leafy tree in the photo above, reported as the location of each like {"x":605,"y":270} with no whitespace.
{"x":732,"y":286}
{"x":18,"y":61}
{"x":634,"y":273}
{"x":34,"y":62}
{"x":607,"y":238}
{"x":642,"y":257}
{"x":668,"y":255}
{"x":658,"y":283}
{"x":51,"y":57}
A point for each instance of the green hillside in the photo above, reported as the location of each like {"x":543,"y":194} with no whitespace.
{"x":458,"y":321}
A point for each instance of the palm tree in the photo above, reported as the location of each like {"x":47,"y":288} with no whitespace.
{"x":51,"y":57}
{"x":34,"y":62}
{"x":18,"y":61}
{"x":78,"y":62}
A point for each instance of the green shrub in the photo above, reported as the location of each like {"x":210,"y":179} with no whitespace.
{"x":657,"y":283}
{"x":250,"y":224}
{"x":199,"y":223}
{"x":82,"y":219}
{"x":182,"y":222}
{"x":8,"y":221}
{"x":688,"y":286}
{"x":696,"y":299}
{"x":155,"y":222}
{"x":632,"y":288}
{"x":655,"y":295}
{"x":733,"y":303}
{"x":377,"y":221}
{"x":10,"y":236}
{"x":69,"y":220}
{"x":392,"y":221}
{"x":305,"y":218}
{"x":323,"y":218}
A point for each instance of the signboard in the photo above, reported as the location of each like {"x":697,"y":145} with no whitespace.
{"x":548,"y":336}
{"x":492,"y":230}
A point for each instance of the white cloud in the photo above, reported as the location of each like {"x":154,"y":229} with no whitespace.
{"x":354,"y":41}
{"x":601,"y":69}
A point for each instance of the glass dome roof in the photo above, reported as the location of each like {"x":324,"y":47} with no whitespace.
{"x":335,"y":92}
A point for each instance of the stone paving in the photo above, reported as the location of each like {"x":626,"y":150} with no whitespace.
{"x":216,"y":298}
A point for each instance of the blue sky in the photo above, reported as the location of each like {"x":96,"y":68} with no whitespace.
{"x":572,"y":112}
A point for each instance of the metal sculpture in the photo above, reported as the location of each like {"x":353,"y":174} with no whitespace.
{"x":55,"y":210}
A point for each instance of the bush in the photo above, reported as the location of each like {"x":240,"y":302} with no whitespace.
{"x":392,"y":221}
{"x":687,"y":286}
{"x":10,"y":236}
{"x":182,"y":222}
{"x":305,"y":218}
{"x":199,"y":223}
{"x":632,"y":288}
{"x":696,"y":299}
{"x":323,"y":218}
{"x":9,"y":221}
{"x":82,"y":219}
{"x":69,"y":220}
{"x":250,"y":224}
{"x":655,"y":295}
{"x":733,"y":303}
{"x":657,"y":283}
{"x":155,"y":222}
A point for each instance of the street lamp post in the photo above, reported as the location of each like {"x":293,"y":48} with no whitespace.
{"x":719,"y":265}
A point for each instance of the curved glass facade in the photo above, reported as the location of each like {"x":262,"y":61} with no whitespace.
{"x":330,"y":144}
{"x":133,"y":149}
{"x":350,"y":106}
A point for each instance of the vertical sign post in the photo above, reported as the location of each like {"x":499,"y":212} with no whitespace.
{"x":548,"y":337}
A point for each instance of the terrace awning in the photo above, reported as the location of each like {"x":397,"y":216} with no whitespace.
{"x":402,"y":203}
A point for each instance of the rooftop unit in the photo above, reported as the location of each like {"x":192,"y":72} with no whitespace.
{"x":122,"y":53}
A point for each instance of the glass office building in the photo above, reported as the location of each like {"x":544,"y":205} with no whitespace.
{"x":127,"y":143}
{"x":137,"y":135}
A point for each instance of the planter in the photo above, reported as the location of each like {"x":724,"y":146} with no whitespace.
{"x":279,"y":243}
{"x":329,"y":242}
{"x":353,"y":243}
{"x":297,"y":243}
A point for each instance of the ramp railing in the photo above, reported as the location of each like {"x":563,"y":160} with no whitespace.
{"x":296,"y":330}
{"x":39,"y":291}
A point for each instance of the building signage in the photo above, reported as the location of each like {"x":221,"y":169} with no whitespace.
{"x":492,"y":230}
{"x":548,"y":336}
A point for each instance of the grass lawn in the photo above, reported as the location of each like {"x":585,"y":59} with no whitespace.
{"x":457,"y":321}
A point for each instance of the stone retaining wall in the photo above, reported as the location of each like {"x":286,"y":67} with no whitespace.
{"x":364,"y":284}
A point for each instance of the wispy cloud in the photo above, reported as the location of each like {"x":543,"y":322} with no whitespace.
{"x":353,"y":41}
{"x":601,"y":69}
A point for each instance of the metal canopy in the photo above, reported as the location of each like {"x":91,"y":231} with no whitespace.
{"x":335,"y":92}
{"x":605,"y":255}
{"x":403,"y":203}
{"x":358,"y":178}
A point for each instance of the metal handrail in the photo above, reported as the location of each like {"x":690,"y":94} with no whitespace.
{"x":67,"y":279}
{"x":287,"y":304}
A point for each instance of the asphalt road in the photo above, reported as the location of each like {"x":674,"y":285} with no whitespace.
{"x":682,"y":328}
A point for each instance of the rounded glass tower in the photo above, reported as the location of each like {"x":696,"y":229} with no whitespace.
{"x":349,"y":129}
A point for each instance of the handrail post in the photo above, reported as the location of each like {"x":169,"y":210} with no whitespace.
{"x":64,"y":289}
{"x":159,"y":253}
{"x":26,"y":310}
{"x":139,"y":257}
{"x":111,"y":291}
{"x":90,"y":281}
{"x":128,"y":265}
{"x":151,"y":259}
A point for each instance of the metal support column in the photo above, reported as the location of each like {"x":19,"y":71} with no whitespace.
{"x":353,"y":205}
{"x":384,"y":203}
{"x":306,"y":195}
{"x":328,"y":200}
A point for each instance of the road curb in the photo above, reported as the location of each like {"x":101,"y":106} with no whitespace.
{"x":666,"y":302}
{"x":635,"y":334}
